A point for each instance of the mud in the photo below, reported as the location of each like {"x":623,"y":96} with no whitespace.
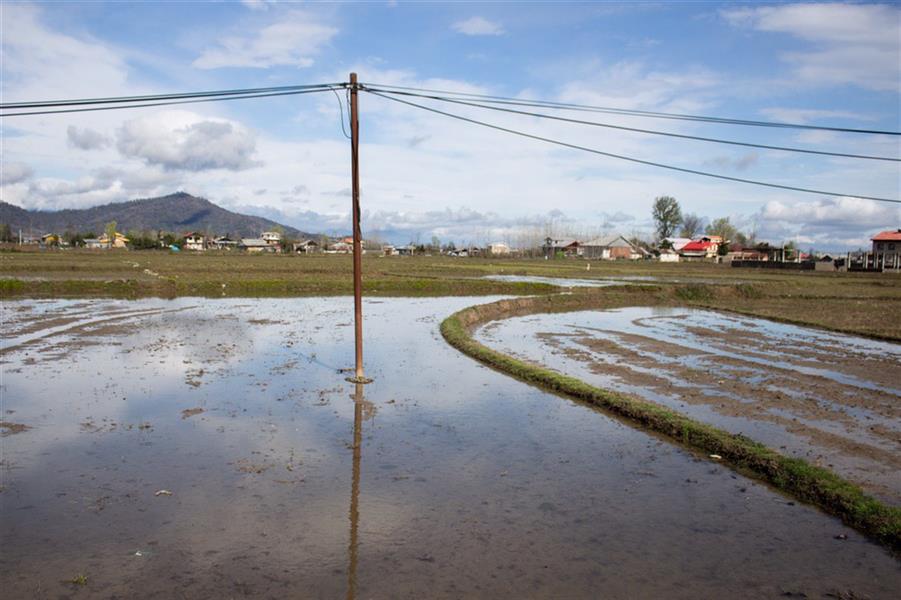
{"x":440,"y":479}
{"x":829,"y":398}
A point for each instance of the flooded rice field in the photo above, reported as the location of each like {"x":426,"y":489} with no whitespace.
{"x":832,"y":399}
{"x":211,"y":448}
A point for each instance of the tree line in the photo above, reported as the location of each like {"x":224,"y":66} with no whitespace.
{"x":669,"y":221}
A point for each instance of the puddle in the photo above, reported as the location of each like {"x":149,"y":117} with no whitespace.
{"x":830,"y":398}
{"x":211,"y":448}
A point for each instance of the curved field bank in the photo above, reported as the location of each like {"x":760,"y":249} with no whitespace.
{"x":807,"y":482}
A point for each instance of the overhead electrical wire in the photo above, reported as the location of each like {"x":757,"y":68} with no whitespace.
{"x":623,"y":157}
{"x":155,"y":97}
{"x":487,"y":98}
{"x":637,"y":130}
{"x":150,"y":104}
{"x":341,"y":113}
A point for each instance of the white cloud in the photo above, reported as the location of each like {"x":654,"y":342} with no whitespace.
{"x":293,"y":41}
{"x":180,"y":140}
{"x":842,"y":222}
{"x":478,"y":26}
{"x":14,"y":172}
{"x":86,"y":139}
{"x":256,"y":4}
{"x":39,"y":64}
{"x":852,"y":43}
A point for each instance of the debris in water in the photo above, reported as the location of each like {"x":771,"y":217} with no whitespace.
{"x":716,"y":457}
{"x":163,"y":493}
{"x":190,"y":412}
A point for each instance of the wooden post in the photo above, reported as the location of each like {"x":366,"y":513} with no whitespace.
{"x":358,"y":377}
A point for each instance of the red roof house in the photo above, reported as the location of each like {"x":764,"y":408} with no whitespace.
{"x":887,"y":242}
{"x":699,"y":249}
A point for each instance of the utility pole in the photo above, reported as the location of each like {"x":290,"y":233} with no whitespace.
{"x":358,"y":377}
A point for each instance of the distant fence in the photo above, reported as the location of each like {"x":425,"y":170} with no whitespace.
{"x":772,"y":264}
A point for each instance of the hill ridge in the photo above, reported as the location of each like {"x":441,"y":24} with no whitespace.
{"x":178,"y":213}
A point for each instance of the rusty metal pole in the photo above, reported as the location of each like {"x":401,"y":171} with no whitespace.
{"x":359,"y":377}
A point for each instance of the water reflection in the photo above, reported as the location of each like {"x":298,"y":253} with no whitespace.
{"x":363,"y":410}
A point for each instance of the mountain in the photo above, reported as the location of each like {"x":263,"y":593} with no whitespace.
{"x":177,"y":213}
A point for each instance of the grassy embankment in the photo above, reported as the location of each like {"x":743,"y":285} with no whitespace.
{"x":808,"y":483}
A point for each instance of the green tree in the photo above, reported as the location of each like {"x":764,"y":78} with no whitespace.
{"x":110,"y":231}
{"x":667,"y":216}
{"x":692,"y":225}
{"x":723,"y":228}
{"x":6,"y":233}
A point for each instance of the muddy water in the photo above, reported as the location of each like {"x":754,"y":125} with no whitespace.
{"x":209,"y":448}
{"x":832,"y":399}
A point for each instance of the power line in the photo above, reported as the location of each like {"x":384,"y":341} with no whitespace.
{"x":636,"y":113}
{"x":341,"y":113}
{"x":149,"y":104}
{"x":627,"y":158}
{"x":158,"y":97}
{"x":648,"y":131}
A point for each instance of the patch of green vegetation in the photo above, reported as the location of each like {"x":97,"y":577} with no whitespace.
{"x":694,"y":292}
{"x":806,"y":482}
{"x":80,"y":579}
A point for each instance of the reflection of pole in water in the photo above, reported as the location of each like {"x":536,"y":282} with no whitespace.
{"x":355,"y":492}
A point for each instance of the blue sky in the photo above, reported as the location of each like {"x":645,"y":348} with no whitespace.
{"x":424,"y":175}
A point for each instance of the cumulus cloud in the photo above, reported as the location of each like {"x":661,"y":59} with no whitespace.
{"x":14,"y":172}
{"x":843,"y":222}
{"x":86,"y":139}
{"x":851,"y":43}
{"x":185,"y":141}
{"x":293,"y":40}
{"x":478,"y":26}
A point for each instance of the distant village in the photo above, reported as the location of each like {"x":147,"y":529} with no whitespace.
{"x":885,"y":253}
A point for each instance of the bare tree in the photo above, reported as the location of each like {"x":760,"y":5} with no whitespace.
{"x":692,"y":225}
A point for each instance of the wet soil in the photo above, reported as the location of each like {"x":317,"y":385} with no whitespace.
{"x":442,"y":478}
{"x":832,"y":399}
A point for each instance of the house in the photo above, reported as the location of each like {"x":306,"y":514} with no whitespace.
{"x":119,"y":241}
{"x":306,"y":247}
{"x":611,"y":247}
{"x":738,"y":252}
{"x":50,"y":239}
{"x":256,"y":245}
{"x":93,"y":244}
{"x":388,"y":250}
{"x":195,"y":241}
{"x":341,"y":247}
{"x":273,"y":238}
{"x":706,"y":247}
{"x":887,"y":246}
{"x":568,"y":247}
{"x":498,"y":249}
{"x":407,"y":250}
{"x":677,"y":243}
{"x":224,"y":242}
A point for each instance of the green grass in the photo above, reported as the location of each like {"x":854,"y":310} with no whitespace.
{"x":808,"y":483}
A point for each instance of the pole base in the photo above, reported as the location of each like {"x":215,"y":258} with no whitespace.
{"x":358,"y":379}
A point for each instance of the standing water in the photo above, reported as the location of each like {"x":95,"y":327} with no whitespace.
{"x":212,"y":448}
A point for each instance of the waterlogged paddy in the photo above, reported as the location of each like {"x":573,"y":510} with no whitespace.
{"x":832,"y":399}
{"x":210,"y":448}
